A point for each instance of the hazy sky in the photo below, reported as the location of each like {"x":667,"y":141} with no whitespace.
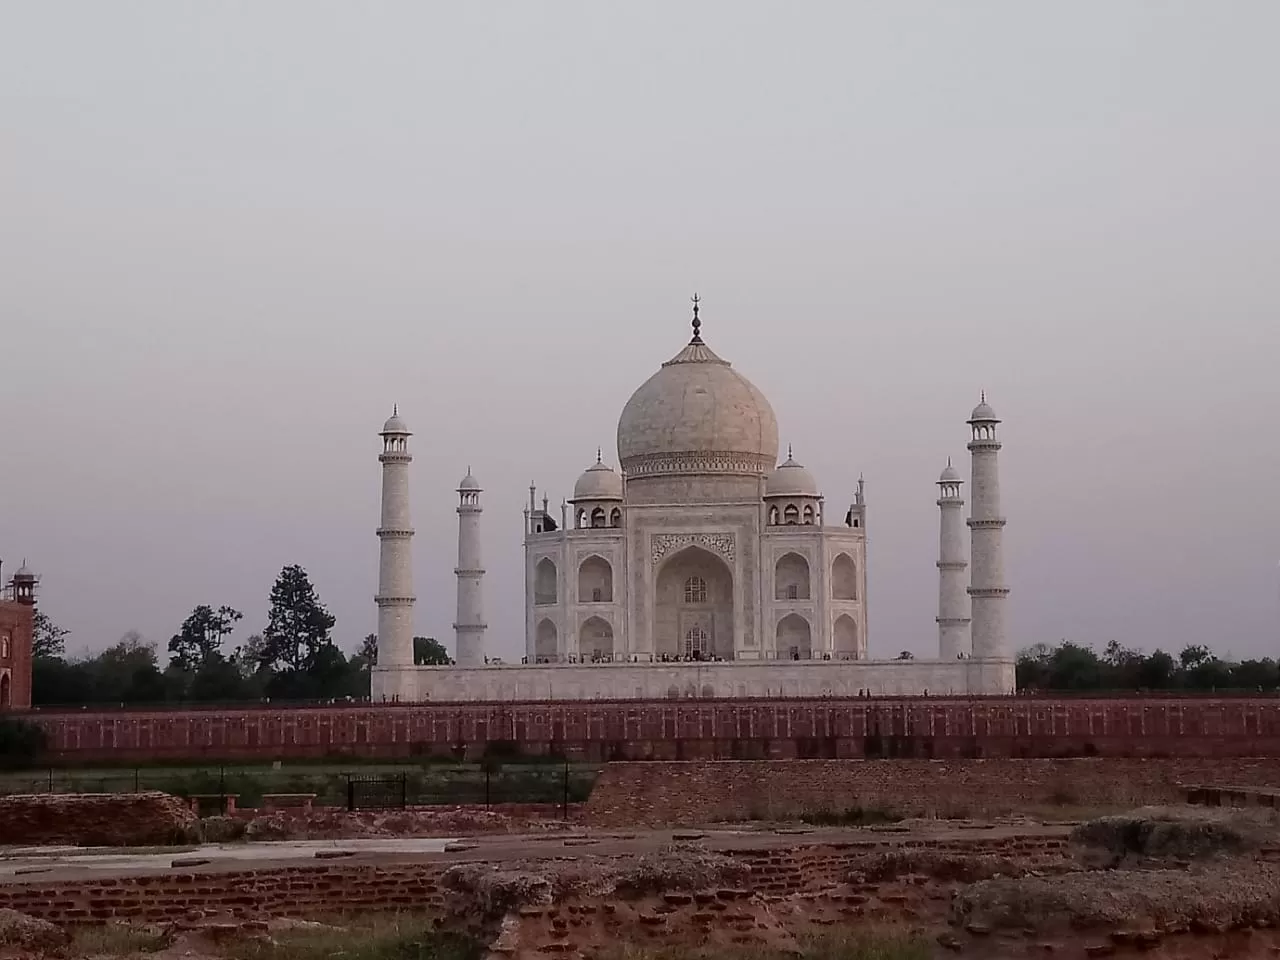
{"x":233,"y":234}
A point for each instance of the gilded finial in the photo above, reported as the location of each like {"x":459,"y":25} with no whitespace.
{"x":697,"y":324}
{"x":789,"y":456}
{"x":599,"y":455}
{"x":395,"y":409}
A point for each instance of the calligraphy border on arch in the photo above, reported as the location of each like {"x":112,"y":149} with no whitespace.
{"x":660,"y":544}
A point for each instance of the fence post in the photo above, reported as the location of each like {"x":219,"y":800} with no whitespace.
{"x":135,"y":780}
{"x":487,"y":774}
{"x":51,"y":779}
{"x":404,"y":791}
{"x":564,"y":807}
{"x":351,"y":794}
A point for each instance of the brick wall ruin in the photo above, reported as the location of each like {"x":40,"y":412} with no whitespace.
{"x":931,"y":728}
{"x":96,"y":819}
{"x":323,"y":890}
{"x":705,"y":792}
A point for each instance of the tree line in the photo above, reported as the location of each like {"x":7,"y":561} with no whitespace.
{"x":1069,"y":666}
{"x":294,"y":657}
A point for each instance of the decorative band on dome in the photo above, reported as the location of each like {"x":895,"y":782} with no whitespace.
{"x":695,"y":463}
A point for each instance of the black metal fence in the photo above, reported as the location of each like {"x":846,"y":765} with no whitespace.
{"x":545,"y":784}
{"x":353,"y":789}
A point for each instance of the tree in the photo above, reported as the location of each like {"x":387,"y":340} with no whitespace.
{"x":199,"y":640}
{"x":1157,"y":672}
{"x":905,"y":655}
{"x":48,"y":639}
{"x":217,"y":680}
{"x":1194,"y":655}
{"x":429,"y":652}
{"x":248,"y":657}
{"x":369,"y":650}
{"x":127,"y":672}
{"x":298,"y":625}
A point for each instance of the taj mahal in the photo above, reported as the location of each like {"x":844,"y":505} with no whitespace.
{"x":702,"y":567}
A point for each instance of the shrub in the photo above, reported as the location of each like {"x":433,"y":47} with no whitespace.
{"x":22,"y":743}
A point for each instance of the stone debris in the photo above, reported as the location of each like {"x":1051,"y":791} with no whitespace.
{"x":322,"y":823}
{"x":29,"y":933}
{"x":1179,"y":832}
{"x":1231,"y":896}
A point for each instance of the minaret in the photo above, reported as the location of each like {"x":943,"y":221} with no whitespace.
{"x":986,"y":532}
{"x":470,"y":626}
{"x":395,"y":568}
{"x":953,"y":603}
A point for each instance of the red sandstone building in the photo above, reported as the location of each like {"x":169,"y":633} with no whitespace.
{"x":17,"y":628}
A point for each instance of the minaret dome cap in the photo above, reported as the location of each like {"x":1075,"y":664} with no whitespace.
{"x":598,"y":482}
{"x":983,"y":412}
{"x":469,"y":483}
{"x":395,"y":425}
{"x":949,"y":474}
{"x":791,"y":479}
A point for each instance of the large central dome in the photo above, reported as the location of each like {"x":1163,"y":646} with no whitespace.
{"x":697,"y":416}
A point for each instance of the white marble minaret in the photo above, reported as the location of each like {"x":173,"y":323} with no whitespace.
{"x":470,"y":626}
{"x":986,"y":532}
{"x":392,"y":677}
{"x":953,"y":602}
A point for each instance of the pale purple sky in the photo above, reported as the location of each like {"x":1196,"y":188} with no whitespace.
{"x":233,"y":234}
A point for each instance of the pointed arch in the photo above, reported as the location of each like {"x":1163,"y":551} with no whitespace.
{"x":791,"y":578}
{"x":845,"y":636}
{"x":615,"y":518}
{"x":791,"y":515}
{"x":794,"y":638}
{"x":844,"y":578}
{"x":693,"y":588}
{"x":595,"y":580}
{"x":546,"y":643}
{"x":546,"y":582}
{"x":6,"y":691}
{"x":595,"y":640}
{"x":597,"y":518}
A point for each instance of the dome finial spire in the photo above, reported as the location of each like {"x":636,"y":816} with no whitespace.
{"x":789,"y":454}
{"x":599,"y":454}
{"x":697,"y":324}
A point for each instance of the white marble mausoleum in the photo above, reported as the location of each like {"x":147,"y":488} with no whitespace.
{"x":703,"y":567}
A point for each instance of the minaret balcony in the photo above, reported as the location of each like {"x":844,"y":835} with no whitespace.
{"x":986,"y":523}
{"x":988,"y":591}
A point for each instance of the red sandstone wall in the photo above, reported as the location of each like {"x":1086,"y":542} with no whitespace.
{"x":686,"y":730}
{"x":16,"y":623}
{"x":707,"y":792}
